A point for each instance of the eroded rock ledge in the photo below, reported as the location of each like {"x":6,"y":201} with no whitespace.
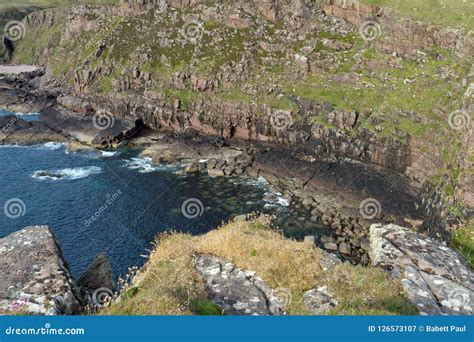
{"x":436,"y":278}
{"x":35,"y":278}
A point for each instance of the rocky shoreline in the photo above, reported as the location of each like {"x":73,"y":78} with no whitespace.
{"x":37,"y":281}
{"x":363,"y":184}
{"x":343,"y":194}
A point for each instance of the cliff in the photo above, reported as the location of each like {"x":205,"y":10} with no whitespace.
{"x":341,"y":80}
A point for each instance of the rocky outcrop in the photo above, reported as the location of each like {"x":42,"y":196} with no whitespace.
{"x":98,"y":275}
{"x":436,"y":278}
{"x":319,"y":301}
{"x":236,"y":291}
{"x":35,"y":278}
{"x":14,"y":130}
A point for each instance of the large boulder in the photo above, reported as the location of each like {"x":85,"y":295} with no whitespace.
{"x":34,"y":276}
{"x":237,"y":291}
{"x":435,"y":277}
{"x":99,"y":274}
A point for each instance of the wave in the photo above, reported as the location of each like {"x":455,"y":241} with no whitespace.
{"x":108,"y":154}
{"x":67,"y":174}
{"x":143,"y":165}
{"x":275,"y":199}
{"x":260,"y":182}
{"x":52,"y":146}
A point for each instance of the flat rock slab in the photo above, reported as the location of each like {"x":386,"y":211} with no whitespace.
{"x":236,"y":291}
{"x":18,"y":69}
{"x":14,"y":130}
{"x":34,"y":278}
{"x":435,"y":277}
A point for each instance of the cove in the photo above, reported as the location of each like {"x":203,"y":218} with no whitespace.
{"x":116,"y":203}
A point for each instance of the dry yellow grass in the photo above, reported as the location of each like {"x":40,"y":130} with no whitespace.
{"x":169,"y":285}
{"x":281,"y":262}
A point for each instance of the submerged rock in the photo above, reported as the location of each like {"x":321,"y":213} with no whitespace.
{"x":239,"y":292}
{"x":35,"y":278}
{"x":436,"y":278}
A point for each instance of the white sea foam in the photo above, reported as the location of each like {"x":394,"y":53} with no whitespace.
{"x":108,"y":154}
{"x":143,"y":165}
{"x":67,"y":174}
{"x":275,"y":199}
{"x":50,"y":146}
{"x":53,"y":146}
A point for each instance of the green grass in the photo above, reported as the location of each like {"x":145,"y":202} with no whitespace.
{"x":441,"y":12}
{"x":7,"y":4}
{"x":463,"y":241}
{"x":205,"y":307}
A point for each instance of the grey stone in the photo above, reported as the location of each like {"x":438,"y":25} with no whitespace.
{"x":330,"y":246}
{"x":318,"y":301}
{"x":435,"y":277}
{"x":35,"y":278}
{"x":239,"y":292}
{"x":345,"y":248}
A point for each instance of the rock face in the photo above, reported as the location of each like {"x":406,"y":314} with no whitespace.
{"x":35,"y":278}
{"x":98,"y":274}
{"x":236,"y":291}
{"x":14,"y":130}
{"x":435,"y":277}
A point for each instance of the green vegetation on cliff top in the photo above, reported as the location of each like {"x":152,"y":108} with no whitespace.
{"x":441,"y":12}
{"x":5,"y":4}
